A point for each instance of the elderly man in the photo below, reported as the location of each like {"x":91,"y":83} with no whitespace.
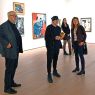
{"x":11,"y":43}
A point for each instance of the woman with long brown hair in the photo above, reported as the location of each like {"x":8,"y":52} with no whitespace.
{"x":78,"y":39}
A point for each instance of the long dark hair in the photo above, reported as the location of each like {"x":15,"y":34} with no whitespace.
{"x":63,"y":22}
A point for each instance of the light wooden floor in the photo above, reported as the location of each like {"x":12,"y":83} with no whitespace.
{"x":31,"y":72}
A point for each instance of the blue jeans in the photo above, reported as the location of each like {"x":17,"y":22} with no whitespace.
{"x":78,"y":50}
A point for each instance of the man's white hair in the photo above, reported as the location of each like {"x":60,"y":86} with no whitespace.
{"x":11,"y":13}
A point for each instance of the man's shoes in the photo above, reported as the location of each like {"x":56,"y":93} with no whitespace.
{"x":55,"y":73}
{"x":81,"y":72}
{"x":50,"y":78}
{"x":10,"y":91}
{"x":75,"y":70}
{"x":16,"y":85}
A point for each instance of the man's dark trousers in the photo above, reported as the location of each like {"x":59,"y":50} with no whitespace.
{"x":11,"y":65}
{"x":52,"y":57}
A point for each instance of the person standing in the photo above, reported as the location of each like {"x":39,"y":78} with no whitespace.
{"x":78,"y":40}
{"x":66,"y":30}
{"x":53,"y":44}
{"x":11,"y":42}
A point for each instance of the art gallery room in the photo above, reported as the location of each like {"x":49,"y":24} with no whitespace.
{"x":31,"y":71}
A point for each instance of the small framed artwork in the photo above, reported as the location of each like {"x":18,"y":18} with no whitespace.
{"x":87,"y":24}
{"x":38,"y":25}
{"x":20,"y":25}
{"x":19,"y":8}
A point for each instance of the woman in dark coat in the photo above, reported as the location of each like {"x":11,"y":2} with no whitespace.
{"x":78,"y":40}
{"x":66,"y":30}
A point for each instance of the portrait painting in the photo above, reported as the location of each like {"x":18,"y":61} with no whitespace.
{"x":86,"y":23}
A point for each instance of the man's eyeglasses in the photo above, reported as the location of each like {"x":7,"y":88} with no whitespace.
{"x":14,"y":15}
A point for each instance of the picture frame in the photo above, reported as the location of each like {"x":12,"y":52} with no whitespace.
{"x":20,"y":25}
{"x":38,"y":25}
{"x":87,"y":24}
{"x":19,"y":8}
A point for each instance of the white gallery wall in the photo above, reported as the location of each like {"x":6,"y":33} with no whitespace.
{"x":62,"y":8}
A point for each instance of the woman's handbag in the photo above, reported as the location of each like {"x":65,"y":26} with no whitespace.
{"x":85,"y":50}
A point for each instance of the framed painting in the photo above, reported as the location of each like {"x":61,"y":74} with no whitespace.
{"x":20,"y":25}
{"x":38,"y":25}
{"x":87,"y":24}
{"x":19,"y":8}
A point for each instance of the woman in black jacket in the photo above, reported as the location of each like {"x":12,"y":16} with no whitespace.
{"x":66,"y":30}
{"x":78,"y":39}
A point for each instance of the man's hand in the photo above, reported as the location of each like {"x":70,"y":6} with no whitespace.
{"x":9,"y":45}
{"x":57,"y":38}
